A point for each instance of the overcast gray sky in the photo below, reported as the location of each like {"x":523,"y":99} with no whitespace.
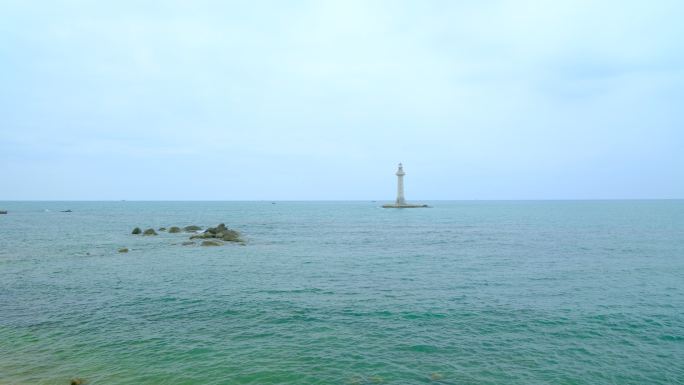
{"x":195,"y":100}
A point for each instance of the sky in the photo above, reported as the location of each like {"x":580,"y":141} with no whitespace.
{"x":319,"y":100}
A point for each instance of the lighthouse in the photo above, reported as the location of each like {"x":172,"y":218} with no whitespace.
{"x":400,"y":203}
{"x":400,"y":186}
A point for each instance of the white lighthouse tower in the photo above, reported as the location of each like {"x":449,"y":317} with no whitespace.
{"x":400,"y":186}
{"x":400,"y":203}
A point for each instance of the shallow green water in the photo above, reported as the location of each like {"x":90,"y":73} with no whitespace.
{"x":344,"y":293}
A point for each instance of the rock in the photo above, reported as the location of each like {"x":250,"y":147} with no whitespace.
{"x":436,"y":376}
{"x":192,"y":228}
{"x":136,"y":231}
{"x":188,"y":243}
{"x":219,"y":232}
{"x":149,"y":232}
{"x":78,"y":381}
{"x":174,"y":229}
{"x":65,"y":211}
{"x":231,"y":236}
{"x":211,"y":243}
{"x":3,"y":211}
{"x":162,"y":229}
{"x":123,"y":250}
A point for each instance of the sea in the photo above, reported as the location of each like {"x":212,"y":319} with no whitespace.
{"x":462,"y":292}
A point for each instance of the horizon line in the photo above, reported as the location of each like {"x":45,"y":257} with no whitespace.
{"x":342,"y":200}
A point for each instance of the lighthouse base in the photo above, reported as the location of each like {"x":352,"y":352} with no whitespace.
{"x":403,"y":206}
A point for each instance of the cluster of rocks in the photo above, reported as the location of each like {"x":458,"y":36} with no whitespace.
{"x":172,"y":229}
{"x":213,"y":236}
{"x":220,"y":232}
{"x":137,"y":231}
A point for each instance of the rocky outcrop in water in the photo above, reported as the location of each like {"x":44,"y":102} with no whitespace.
{"x":123,"y":250}
{"x":212,"y":236}
{"x":220,"y":232}
{"x":3,"y":211}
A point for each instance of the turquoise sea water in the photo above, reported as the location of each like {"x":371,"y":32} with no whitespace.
{"x":564,"y":292}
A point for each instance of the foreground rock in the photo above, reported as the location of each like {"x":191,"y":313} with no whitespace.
{"x":219,"y":232}
{"x":174,"y":229}
{"x":136,"y":231}
{"x":149,"y":232}
{"x":78,"y":381}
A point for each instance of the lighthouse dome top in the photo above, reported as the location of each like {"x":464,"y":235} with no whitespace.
{"x":400,"y":170}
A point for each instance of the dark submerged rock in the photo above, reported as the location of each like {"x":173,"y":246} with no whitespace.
{"x":211,"y":243}
{"x":78,"y":381}
{"x":66,"y":211}
{"x":192,"y":228}
{"x":123,"y":250}
{"x":162,"y":229}
{"x":188,"y":243}
{"x":136,"y":231}
{"x":149,"y":232}
{"x":3,"y":211}
{"x":174,"y":229}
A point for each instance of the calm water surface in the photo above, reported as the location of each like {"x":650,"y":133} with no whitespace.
{"x":585,"y":292}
